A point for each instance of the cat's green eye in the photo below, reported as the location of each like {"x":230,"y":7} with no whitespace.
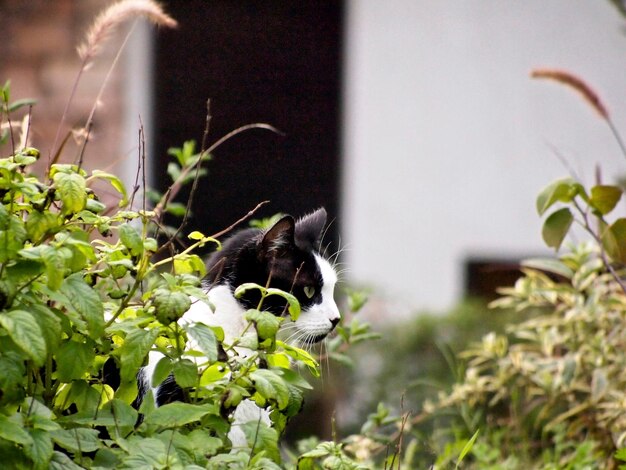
{"x":309,"y":291}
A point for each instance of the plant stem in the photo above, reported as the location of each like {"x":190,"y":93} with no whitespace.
{"x":617,"y":136}
{"x":598,"y":239}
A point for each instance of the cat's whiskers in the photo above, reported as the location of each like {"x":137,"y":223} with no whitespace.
{"x":321,"y":362}
{"x":324,"y":236}
{"x":335,"y":256}
{"x":295,"y":334}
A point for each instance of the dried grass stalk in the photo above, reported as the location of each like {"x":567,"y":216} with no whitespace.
{"x":571,"y":80}
{"x":117,"y":13}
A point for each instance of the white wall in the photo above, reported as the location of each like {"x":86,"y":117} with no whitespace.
{"x":447,"y":140}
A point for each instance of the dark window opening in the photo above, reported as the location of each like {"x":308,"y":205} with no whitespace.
{"x":270,"y":61}
{"x":483,"y":276}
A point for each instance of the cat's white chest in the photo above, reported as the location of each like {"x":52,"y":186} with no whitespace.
{"x":227,"y":314}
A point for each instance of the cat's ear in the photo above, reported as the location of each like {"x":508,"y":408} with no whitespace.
{"x":310,"y":228}
{"x":279,"y":238}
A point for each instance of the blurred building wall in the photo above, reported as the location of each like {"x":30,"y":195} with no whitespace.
{"x":447,"y":140}
{"x":38,"y":40}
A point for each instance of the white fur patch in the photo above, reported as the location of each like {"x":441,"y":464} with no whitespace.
{"x":318,"y":319}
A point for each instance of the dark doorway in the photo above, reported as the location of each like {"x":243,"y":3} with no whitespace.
{"x":268,"y":61}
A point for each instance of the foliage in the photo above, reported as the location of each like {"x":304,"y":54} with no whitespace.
{"x":90,"y":286}
{"x":81,"y":288}
{"x":549,"y":393}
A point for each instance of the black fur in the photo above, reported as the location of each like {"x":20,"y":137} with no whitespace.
{"x":281,"y":257}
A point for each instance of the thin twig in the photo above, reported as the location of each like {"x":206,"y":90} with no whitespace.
{"x":105,"y":23}
{"x":174,"y":189}
{"x":563,"y":160}
{"x":144,"y":178}
{"x":30,"y":116}
{"x":194,"y":185}
{"x":6,"y":104}
{"x":89,"y":124}
{"x":241,"y":129}
{"x":605,"y":259}
{"x":617,"y":136}
{"x":247,"y":216}
{"x":140,"y":138}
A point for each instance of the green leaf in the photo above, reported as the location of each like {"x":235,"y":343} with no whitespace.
{"x":176,"y":208}
{"x":39,"y":224}
{"x":170,"y":306}
{"x":300,"y":355}
{"x":147,"y":453}
{"x":549,"y":265}
{"x":261,"y":438}
{"x":294,"y":305}
{"x":24,"y":270}
{"x":189,"y":264}
{"x":12,"y":236}
{"x":60,"y":461}
{"x":94,"y":206}
{"x":243,"y":288}
{"x":296,"y":400}
{"x":173,"y":170}
{"x":271,"y":386}
{"x":124,"y":416}
{"x":161,"y":371}
{"x":342,"y":359}
{"x":266,"y":323}
{"x":13,"y":376}
{"x":614,"y":240}
{"x":184,"y":153}
{"x":136,"y":346}
{"x":173,"y":415}
{"x":562,"y":190}
{"x":356,"y":300}
{"x":468,"y":446}
{"x":17,"y":104}
{"x":72,"y":191}
{"x":556,"y":226}
{"x":202,"y":442}
{"x":40,"y":450}
{"x":49,"y":323}
{"x":86,"y":302}
{"x":186,"y":373}
{"x":77,"y":439}
{"x":195,"y":235}
{"x":14,"y":432}
{"x":621,"y":454}
{"x":74,"y":359}
{"x":203,"y":338}
{"x":115,"y":182}
{"x":131,"y":239}
{"x":55,"y":265}
{"x":26,"y":334}
{"x":604,"y":198}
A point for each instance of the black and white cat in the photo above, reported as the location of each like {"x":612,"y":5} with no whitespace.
{"x":287,"y":255}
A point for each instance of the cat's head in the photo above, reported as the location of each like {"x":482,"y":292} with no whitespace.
{"x":287,"y":257}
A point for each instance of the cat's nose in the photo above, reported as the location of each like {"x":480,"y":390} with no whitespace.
{"x":334,"y":322}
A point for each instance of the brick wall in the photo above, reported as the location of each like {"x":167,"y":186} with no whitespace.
{"x":38,"y":40}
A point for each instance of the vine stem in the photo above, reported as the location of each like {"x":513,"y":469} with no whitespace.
{"x":107,"y":78}
{"x":598,"y":239}
{"x":178,"y":184}
{"x":617,"y":135}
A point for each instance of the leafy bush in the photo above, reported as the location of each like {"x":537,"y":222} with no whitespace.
{"x":87,"y":288}
{"x":550,"y":392}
